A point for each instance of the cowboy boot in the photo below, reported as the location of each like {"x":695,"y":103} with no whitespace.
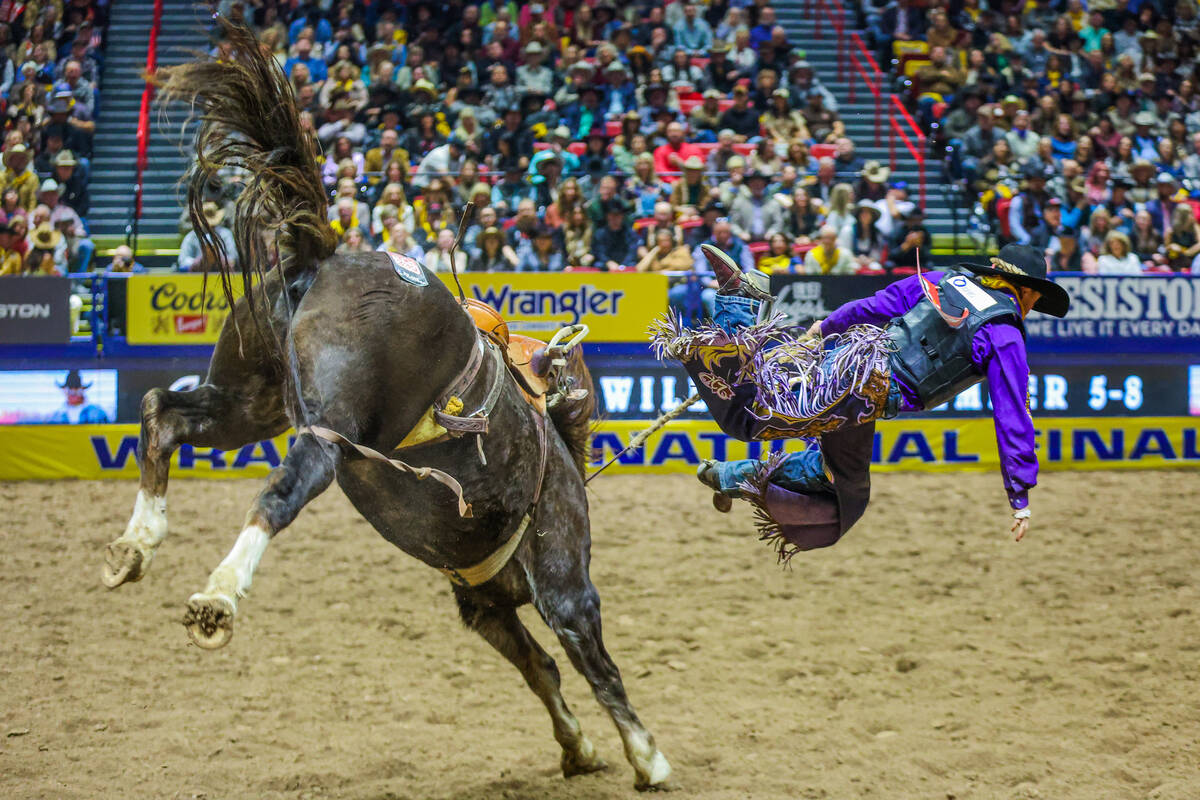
{"x":730,"y":278}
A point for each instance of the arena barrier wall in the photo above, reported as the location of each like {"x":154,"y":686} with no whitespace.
{"x":51,"y":452}
{"x":181,"y":309}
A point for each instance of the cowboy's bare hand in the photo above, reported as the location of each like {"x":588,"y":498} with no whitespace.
{"x":1019,"y":528}
{"x":814,"y":330}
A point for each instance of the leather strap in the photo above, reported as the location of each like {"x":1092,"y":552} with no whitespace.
{"x":464,"y":508}
{"x":490,"y":567}
{"x":477,"y":421}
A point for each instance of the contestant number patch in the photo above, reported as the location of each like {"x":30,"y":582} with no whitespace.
{"x":409,"y":269}
{"x":977,"y":298}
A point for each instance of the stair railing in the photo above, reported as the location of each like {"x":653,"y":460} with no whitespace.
{"x":914,"y":143}
{"x":143,"y":128}
{"x":826,"y":9}
{"x":866,"y":69}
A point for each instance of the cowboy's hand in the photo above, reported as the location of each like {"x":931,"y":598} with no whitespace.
{"x":814,"y":330}
{"x":1020,"y":525}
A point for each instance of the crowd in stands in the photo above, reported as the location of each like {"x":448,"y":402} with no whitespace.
{"x":50,"y":58}
{"x":1075,"y":124}
{"x":589,"y":135}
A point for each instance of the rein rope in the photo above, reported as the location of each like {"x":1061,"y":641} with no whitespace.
{"x":641,"y":438}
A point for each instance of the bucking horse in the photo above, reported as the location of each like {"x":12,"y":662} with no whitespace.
{"x":393,"y":390}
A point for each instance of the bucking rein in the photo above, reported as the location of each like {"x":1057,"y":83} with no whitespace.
{"x":445,"y":419}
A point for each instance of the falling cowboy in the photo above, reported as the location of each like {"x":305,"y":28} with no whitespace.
{"x":911,"y":346}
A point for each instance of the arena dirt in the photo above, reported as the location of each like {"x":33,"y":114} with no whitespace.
{"x":926,"y":656}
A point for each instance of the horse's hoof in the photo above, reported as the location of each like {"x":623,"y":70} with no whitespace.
{"x":123,"y":563}
{"x":658,"y":778}
{"x":722,"y":503}
{"x":209,"y":621}
{"x":582,"y":761}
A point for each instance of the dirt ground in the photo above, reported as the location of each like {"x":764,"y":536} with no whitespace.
{"x":925,"y":656}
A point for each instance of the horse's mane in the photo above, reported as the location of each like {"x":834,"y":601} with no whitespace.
{"x":250,"y":122}
{"x":573,"y":419}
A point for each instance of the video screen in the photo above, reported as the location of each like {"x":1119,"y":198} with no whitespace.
{"x":58,"y":397}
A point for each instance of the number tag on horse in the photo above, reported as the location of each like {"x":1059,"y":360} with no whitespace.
{"x":409,"y":269}
{"x":976,"y":297}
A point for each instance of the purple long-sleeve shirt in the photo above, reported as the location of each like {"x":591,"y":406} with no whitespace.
{"x":998,"y":350}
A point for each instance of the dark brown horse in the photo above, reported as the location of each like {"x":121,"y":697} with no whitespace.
{"x":359,"y":354}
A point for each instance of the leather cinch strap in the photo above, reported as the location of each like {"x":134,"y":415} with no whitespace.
{"x":487,"y":569}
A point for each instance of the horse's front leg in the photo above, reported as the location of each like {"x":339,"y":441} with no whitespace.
{"x":306,"y":471}
{"x":207,"y":416}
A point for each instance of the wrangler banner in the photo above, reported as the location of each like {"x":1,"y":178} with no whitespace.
{"x":49,"y":452}
{"x":617,"y":307}
{"x":175,"y":309}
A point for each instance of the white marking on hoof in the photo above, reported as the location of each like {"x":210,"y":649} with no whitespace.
{"x":650,"y":765}
{"x":209,"y":620}
{"x":234,"y":574}
{"x":127,"y":558}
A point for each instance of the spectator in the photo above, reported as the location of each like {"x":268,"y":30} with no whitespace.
{"x":123,"y":263}
{"x":1117,"y":257}
{"x":718,"y":158}
{"x":911,"y":241}
{"x":615,"y":244}
{"x":18,"y":174}
{"x":1183,"y":240}
{"x":804,"y":221}
{"x":692,"y":193}
{"x":71,"y":183}
{"x":821,"y":185}
{"x":1163,"y":204}
{"x":401,"y":242}
{"x":1026,"y":208}
{"x":756,"y":216}
{"x":670,"y":157}
{"x":740,"y":117}
{"x":354,"y":241}
{"x":1021,"y":140}
{"x":437,"y":258}
{"x":1146,"y":241}
{"x":840,"y":209}
{"x":191,"y":255}
{"x":441,"y":161}
{"x":779,"y":256}
{"x":827,"y":258}
{"x":764,"y":159}
{"x":534,"y":77}
{"x":863,"y":239}
{"x":820,"y":120}
{"x":780,"y":123}
{"x":11,"y":262}
{"x":577,"y":238}
{"x":804,"y":80}
{"x":48,"y":252}
{"x":388,"y":151}
{"x":705,"y":119}
{"x":544,"y":256}
{"x":693,"y":34}
{"x":64,"y":220}
{"x":667,"y":254}
{"x":492,"y":253}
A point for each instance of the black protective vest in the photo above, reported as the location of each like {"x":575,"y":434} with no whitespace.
{"x":933,"y":359}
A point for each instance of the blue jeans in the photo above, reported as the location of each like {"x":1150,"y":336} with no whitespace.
{"x":799,"y":472}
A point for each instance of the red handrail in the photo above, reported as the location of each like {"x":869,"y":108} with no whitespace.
{"x":872,"y":80}
{"x":838,"y":21}
{"x":143,"y":128}
{"x":916,"y":150}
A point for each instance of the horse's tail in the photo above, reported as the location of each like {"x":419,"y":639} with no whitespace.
{"x":250,"y":122}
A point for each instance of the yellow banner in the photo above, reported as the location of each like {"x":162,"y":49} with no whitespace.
{"x":49,"y":452}
{"x":617,"y":308}
{"x":175,"y":309}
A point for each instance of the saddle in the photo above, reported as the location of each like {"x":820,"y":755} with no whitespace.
{"x":534,"y":364}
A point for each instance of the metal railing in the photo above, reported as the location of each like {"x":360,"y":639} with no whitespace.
{"x":915,"y":148}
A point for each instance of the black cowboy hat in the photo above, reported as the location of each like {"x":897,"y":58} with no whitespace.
{"x":1023,"y":265}
{"x":73,"y":381}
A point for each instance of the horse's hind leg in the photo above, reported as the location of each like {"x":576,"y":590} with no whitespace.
{"x":570,"y":605}
{"x":503,"y":630}
{"x":306,"y":471}
{"x":207,"y":416}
